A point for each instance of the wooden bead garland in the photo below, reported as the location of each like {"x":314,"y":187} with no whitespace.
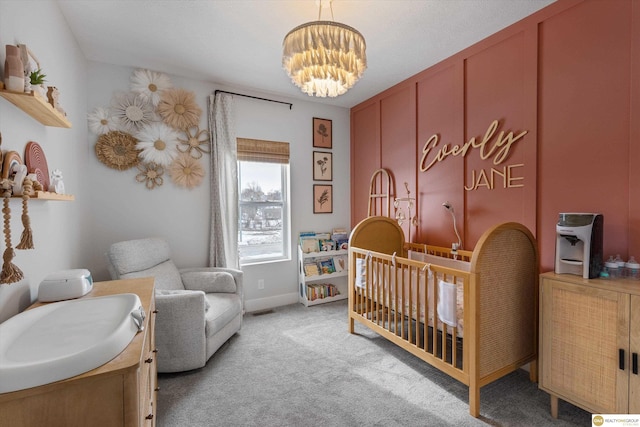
{"x":26,"y":240}
{"x":10,"y":272}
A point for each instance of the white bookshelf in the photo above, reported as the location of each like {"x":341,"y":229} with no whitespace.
{"x":338,"y":279}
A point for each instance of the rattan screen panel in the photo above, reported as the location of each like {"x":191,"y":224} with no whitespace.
{"x":584,"y":346}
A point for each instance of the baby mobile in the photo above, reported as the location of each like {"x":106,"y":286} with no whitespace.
{"x":155,"y":128}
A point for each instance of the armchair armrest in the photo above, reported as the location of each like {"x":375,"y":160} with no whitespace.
{"x":237,"y":277}
{"x":180,"y":330}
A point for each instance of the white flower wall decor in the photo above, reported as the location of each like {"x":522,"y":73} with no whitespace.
{"x":157,"y":143}
{"x":150,"y":85}
{"x":101,"y":121}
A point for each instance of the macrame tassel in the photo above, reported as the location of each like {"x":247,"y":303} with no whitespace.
{"x":10,"y":272}
{"x":26,"y":240}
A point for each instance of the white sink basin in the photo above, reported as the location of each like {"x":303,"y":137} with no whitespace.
{"x":64,"y":339}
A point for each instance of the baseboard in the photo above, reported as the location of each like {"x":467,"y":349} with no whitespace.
{"x":260,"y":304}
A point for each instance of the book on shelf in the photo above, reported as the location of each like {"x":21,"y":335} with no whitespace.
{"x":326,"y":266}
{"x":309,"y":244}
{"x":340,"y":263}
{"x":341,"y":237}
{"x":311,"y":241}
{"x":327,"y":245}
{"x":321,"y":290}
{"x":342,"y":244}
{"x":311,"y":269}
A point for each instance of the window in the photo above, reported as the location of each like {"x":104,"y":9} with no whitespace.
{"x":263,"y":188}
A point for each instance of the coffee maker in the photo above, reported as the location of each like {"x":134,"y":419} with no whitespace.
{"x":579,"y":244}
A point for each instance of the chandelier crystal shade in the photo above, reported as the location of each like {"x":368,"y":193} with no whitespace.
{"x":324,"y":58}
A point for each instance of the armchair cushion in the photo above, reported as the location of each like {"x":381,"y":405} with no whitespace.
{"x":224,"y":307}
{"x":209,"y":281}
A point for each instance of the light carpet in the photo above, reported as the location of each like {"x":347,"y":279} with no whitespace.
{"x":299,"y":366}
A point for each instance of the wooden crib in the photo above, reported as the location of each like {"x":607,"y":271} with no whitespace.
{"x":483,"y":303}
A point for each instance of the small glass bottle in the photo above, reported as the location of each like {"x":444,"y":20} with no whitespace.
{"x":621,"y":265}
{"x":611,"y":268}
{"x":632,"y":269}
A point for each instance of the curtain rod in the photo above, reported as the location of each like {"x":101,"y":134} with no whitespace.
{"x":255,"y":97}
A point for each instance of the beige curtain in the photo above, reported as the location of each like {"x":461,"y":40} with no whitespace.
{"x":223,"y":243}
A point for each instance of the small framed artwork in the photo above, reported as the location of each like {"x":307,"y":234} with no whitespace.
{"x":322,"y":166}
{"x":322,"y":133}
{"x":322,"y":198}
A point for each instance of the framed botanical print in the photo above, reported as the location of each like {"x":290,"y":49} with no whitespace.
{"x":322,"y":198}
{"x":322,"y":166}
{"x":322,"y":133}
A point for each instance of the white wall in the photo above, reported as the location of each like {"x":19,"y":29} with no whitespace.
{"x":122,"y":208}
{"x":58,"y":231}
{"x":110,"y":205}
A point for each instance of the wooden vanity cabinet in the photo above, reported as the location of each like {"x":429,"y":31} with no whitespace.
{"x":121,"y":392}
{"x":590,"y":343}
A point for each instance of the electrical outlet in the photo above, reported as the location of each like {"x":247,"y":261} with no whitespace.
{"x":260,"y":283}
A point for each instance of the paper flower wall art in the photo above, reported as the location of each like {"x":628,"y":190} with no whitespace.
{"x":150,"y":85}
{"x":185,"y":171}
{"x":150,"y":174}
{"x":196,"y":143}
{"x":117,"y":150}
{"x":131,"y":111}
{"x":157,"y":143}
{"x":178,"y":108}
{"x":101,"y":121}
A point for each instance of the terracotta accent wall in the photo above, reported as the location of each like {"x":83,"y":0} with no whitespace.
{"x":568,"y":76}
{"x":365,"y":156}
{"x":584,"y":120}
{"x":440,"y":111}
{"x":398,"y":129}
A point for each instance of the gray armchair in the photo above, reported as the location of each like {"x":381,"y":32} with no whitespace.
{"x":199,"y":309}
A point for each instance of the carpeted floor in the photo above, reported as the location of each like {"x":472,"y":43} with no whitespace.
{"x":298,"y":366}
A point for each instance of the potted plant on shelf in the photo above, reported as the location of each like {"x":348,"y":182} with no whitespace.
{"x":37,"y":80}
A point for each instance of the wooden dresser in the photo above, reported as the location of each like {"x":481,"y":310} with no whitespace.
{"x":589,"y":343}
{"x":121,"y":392}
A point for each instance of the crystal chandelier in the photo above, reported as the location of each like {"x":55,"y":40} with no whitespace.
{"x":324,"y":58}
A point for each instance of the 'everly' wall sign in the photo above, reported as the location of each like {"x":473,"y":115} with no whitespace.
{"x":498,"y":148}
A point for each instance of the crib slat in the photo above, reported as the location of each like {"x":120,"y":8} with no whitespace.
{"x":395,"y":300}
{"x":425,"y":323}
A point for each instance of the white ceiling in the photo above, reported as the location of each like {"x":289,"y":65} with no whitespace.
{"x":238,"y":43}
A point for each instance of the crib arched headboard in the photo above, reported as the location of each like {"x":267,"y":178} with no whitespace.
{"x":379,"y":234}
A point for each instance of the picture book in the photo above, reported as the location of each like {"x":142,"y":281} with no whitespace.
{"x":340,"y":263}
{"x":326,"y":266}
{"x":327,"y":245}
{"x":311,"y":269}
{"x":309,"y":244}
{"x":342,"y":244}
